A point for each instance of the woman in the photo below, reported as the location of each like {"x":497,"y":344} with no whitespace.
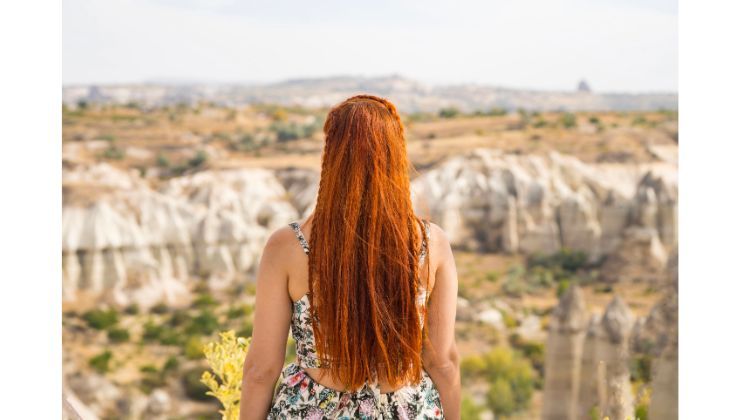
{"x":367,"y":288}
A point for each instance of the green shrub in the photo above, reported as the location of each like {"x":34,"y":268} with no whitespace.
{"x":194,"y":388}
{"x":563,"y":286}
{"x":148,"y":369}
{"x":568,"y":120}
{"x":640,"y":366}
{"x":469,"y":410}
{"x":246,"y":143}
{"x":639,"y":120}
{"x":171,"y":364}
{"x":132,"y":309}
{"x":198,"y":160}
{"x":151,"y":378}
{"x":492,"y":276}
{"x":641,"y":412}
{"x":472,"y":367}
{"x":114,"y":152}
{"x":511,"y":379}
{"x":101,"y":319}
{"x":118,"y":335}
{"x":151,"y":331}
{"x":564,"y":260}
{"x":571,"y":260}
{"x":193,"y":348}
{"x":500,"y":397}
{"x":449,"y":112}
{"x":160,"y":308}
{"x":604,"y":289}
{"x":170,"y":337}
{"x":492,"y":112}
{"x":497,"y":112}
{"x":178,"y":317}
{"x":203,"y":324}
{"x":288,"y":131}
{"x":163,"y":161}
{"x":540,"y":123}
{"x":204,"y":301}
{"x":101,"y":362}
{"x":533,"y":351}
{"x":239,"y":311}
{"x":540,"y":277}
{"x":246,"y":330}
{"x":509,"y":320}
{"x":289,"y":350}
{"x":515,"y":283}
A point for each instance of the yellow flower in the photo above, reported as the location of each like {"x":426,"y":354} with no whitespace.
{"x":226,"y":360}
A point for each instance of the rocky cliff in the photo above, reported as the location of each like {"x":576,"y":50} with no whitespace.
{"x":127,"y":240}
{"x":538,"y":204}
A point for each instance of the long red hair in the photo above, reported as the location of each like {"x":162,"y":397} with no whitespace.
{"x":365,"y":247}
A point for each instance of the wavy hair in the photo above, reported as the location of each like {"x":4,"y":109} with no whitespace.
{"x":365,"y":247}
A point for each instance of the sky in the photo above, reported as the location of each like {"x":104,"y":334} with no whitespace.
{"x":616,"y":45}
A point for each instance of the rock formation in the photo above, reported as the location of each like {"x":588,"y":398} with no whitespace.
{"x":613,"y":351}
{"x":664,"y":401}
{"x":135,"y":244}
{"x":126,"y":241}
{"x":490,"y":201}
{"x":563,"y":356}
{"x":600,"y":379}
{"x":640,"y":256}
{"x":590,"y":389}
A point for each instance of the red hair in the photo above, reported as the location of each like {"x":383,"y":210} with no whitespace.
{"x":365,"y":247}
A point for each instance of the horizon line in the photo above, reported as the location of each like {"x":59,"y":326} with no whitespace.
{"x":195,"y":82}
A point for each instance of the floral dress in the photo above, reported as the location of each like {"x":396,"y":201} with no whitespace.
{"x":300,"y":397}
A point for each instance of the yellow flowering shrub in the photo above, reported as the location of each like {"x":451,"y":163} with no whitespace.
{"x":226,"y":359}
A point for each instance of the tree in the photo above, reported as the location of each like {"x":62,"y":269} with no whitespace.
{"x":450,"y":112}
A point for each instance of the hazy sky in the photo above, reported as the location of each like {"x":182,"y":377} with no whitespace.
{"x":617,"y":45}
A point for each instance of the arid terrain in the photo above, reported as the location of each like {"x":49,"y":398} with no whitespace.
{"x":552,"y":215}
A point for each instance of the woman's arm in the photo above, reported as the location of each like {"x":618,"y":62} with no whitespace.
{"x":440,"y":357}
{"x":272,"y":314}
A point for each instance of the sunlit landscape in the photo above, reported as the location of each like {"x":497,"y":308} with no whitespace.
{"x":563,"y":224}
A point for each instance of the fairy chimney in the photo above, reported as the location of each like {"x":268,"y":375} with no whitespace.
{"x":591,"y":389}
{"x":613,"y":351}
{"x":563,"y":356}
{"x":664,"y":401}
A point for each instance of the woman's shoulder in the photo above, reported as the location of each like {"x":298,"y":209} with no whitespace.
{"x":281,"y":240}
{"x":439,"y":243}
{"x":437,"y":235}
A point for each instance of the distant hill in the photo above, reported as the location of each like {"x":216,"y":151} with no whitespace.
{"x":408,"y":95}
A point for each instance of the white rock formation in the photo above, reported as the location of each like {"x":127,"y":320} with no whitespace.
{"x":563,"y":354}
{"x":591,"y":389}
{"x":640,"y":256}
{"x":159,"y":404}
{"x":492,"y":317}
{"x":664,"y":401}
{"x":613,"y":351}
{"x":124,"y":241}
{"x":130,"y":243}
{"x":490,"y":201}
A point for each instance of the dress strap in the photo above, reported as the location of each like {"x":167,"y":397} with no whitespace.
{"x":424,"y":242}
{"x":298,"y":234}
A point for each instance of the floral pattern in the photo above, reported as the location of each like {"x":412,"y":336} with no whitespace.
{"x":300,"y":397}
